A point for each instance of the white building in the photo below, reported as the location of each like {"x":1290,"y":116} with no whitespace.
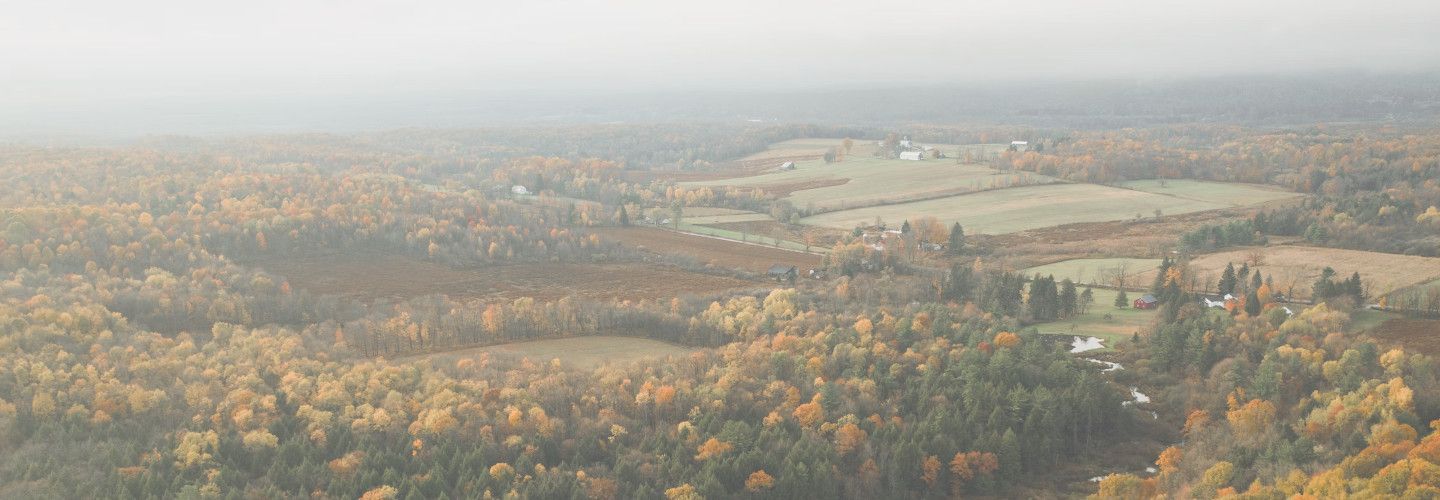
{"x":518,"y":189}
{"x":912,"y":155}
{"x":1019,"y":145}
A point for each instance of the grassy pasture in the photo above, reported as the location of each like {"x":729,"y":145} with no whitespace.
{"x":1115,"y":329}
{"x":1299,"y":267}
{"x":712,"y":211}
{"x":863,"y":180}
{"x":725,"y":219}
{"x":1098,"y":271}
{"x":1017,"y":209}
{"x":1232,"y":194}
{"x":583,"y":352}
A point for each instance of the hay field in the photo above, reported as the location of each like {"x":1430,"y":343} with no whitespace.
{"x":1299,"y":267}
{"x":726,"y":218}
{"x":1233,"y":194}
{"x":1099,"y":271}
{"x":863,"y":180}
{"x":1017,"y":209}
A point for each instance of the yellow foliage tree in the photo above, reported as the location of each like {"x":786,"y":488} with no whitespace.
{"x":759,"y":481}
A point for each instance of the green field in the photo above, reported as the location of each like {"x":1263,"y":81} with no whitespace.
{"x":725,"y":219}
{"x":1022,"y":208}
{"x":1097,"y":271}
{"x":1116,"y":329}
{"x":861,"y":181}
{"x":712,"y":211}
{"x":810,"y":146}
{"x":750,"y":238}
{"x":584,"y":352}
{"x":1225,"y":193}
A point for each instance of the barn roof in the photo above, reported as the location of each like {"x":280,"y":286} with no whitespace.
{"x":1148,"y":298}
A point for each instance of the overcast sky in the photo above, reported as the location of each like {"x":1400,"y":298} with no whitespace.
{"x":67,"y":52}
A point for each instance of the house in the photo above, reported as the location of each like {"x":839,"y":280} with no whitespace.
{"x":912,"y":155}
{"x":1019,"y":145}
{"x":1146,"y":302}
{"x":1214,"y":304}
{"x":789,"y":165}
{"x":782,"y":272}
{"x":519,"y":190}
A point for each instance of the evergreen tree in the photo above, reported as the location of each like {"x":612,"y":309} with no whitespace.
{"x":1160,"y":276}
{"x":1069,"y":301}
{"x":1252,"y":303}
{"x":1227,"y":279}
{"x":623,"y":216}
{"x":1121,"y":300}
{"x":957,"y":240}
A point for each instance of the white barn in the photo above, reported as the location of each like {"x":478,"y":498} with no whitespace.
{"x":912,"y":155}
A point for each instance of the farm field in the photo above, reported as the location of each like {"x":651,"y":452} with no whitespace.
{"x":1017,"y":209}
{"x":725,"y":218}
{"x":1115,"y":330}
{"x":713,"y":211}
{"x":1098,"y":271}
{"x":372,"y":277}
{"x":582,"y":352}
{"x":809,"y":146}
{"x":1299,"y":266}
{"x":865,"y":180}
{"x":718,"y":252}
{"x":1225,"y":193}
{"x":1420,"y":335}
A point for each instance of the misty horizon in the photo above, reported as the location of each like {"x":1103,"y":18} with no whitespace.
{"x":166,"y":67}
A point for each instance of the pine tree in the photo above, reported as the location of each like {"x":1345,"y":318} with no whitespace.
{"x":957,"y":240}
{"x":1069,"y":301}
{"x":623,"y":216}
{"x":1252,"y":304}
{"x":1227,"y":279}
{"x":1121,"y":300}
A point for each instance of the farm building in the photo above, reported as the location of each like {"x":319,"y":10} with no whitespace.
{"x":782,"y":272}
{"x":789,"y":165}
{"x":1146,"y":302}
{"x":912,"y":155}
{"x":1019,"y":145}
{"x":518,"y":189}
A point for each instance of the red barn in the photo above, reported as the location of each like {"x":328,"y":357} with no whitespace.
{"x":1146,"y":302}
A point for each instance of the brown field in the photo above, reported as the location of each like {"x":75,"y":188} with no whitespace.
{"x":1298,"y":267}
{"x":714,"y":251}
{"x":582,"y":352}
{"x":371,"y":277}
{"x":1419,"y":335}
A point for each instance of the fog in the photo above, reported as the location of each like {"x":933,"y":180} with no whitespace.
{"x":172,"y":66}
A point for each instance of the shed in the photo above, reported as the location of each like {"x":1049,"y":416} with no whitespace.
{"x":912,"y":155}
{"x":1146,"y":302}
{"x":789,"y":165}
{"x":1019,"y":145}
{"x":518,"y":189}
{"x":782,"y":272}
